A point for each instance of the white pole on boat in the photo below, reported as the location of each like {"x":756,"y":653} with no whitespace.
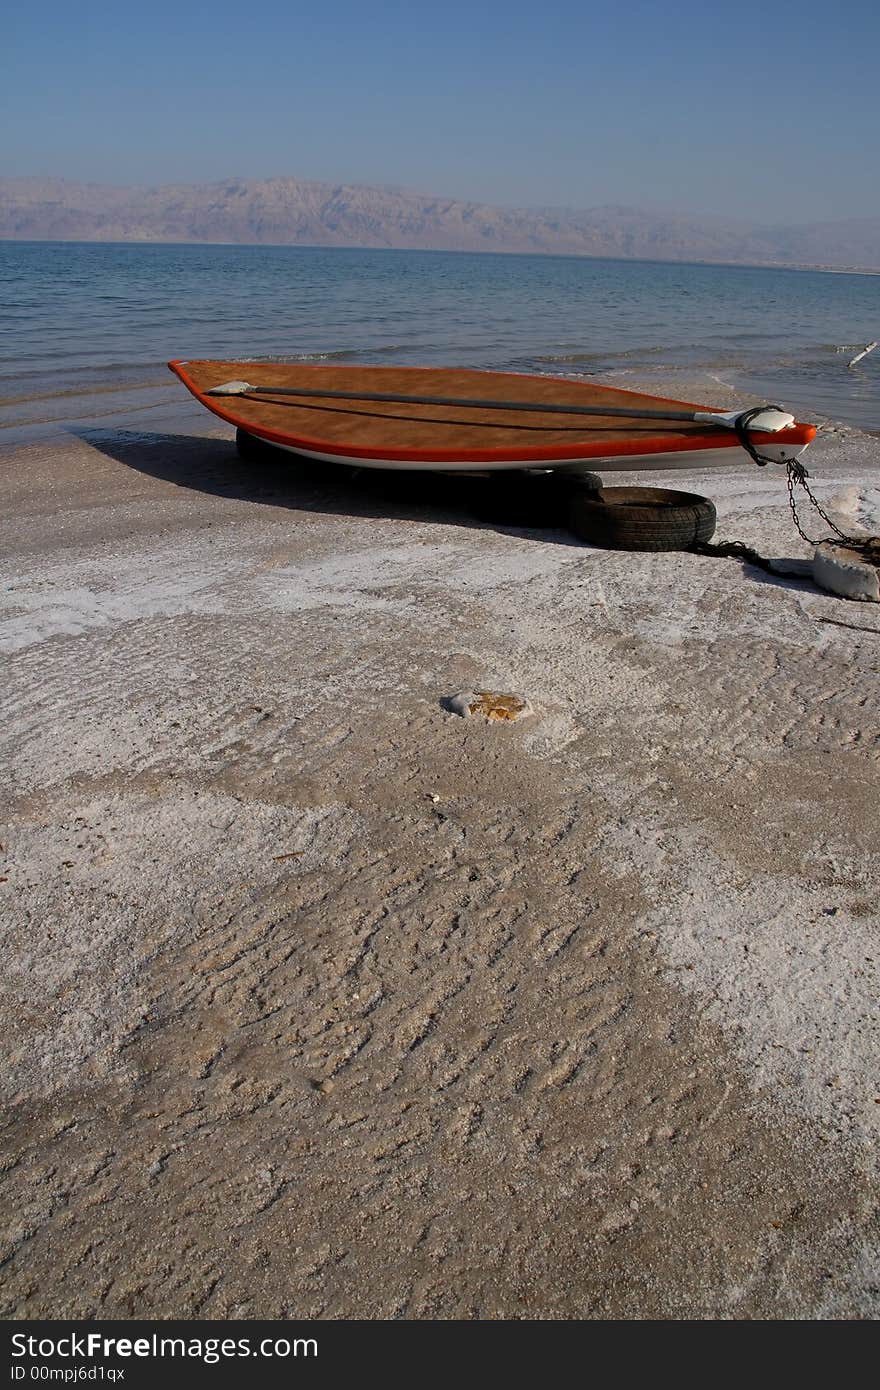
{"x":869,"y":347}
{"x":770,"y":419}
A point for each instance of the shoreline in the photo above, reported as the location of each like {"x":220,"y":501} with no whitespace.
{"x":325,"y":1002}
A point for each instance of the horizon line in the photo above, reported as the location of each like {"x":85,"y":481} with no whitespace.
{"x":798,"y":267}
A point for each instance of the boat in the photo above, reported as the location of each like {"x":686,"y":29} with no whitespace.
{"x":454,"y":419}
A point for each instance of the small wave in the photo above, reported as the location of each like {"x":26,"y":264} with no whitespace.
{"x":620,"y":355}
{"x":349,"y":354}
{"x":102,"y":368}
{"x":551,"y":358}
{"x":564,"y":376}
{"x":83,"y":392}
{"x":61,"y":421}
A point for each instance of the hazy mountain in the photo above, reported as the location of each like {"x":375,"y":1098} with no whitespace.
{"x":288,"y":211}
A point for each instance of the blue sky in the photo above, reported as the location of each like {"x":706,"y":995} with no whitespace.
{"x":764,"y":111}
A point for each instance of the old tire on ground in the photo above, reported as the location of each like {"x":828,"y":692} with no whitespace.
{"x":642,"y":518}
{"x":250,"y":447}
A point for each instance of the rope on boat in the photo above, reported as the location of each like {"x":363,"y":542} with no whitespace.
{"x":741,"y":425}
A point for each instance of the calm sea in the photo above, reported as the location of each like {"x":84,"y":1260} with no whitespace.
{"x":89,"y":327}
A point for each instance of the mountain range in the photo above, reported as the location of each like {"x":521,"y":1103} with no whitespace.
{"x":301,"y":212}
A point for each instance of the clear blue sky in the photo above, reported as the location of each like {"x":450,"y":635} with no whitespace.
{"x":763,"y":110}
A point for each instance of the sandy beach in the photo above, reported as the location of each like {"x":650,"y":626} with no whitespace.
{"x":322,"y":1001}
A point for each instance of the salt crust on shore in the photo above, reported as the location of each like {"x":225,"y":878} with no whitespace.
{"x":801,"y":1007}
{"x":190,"y":716}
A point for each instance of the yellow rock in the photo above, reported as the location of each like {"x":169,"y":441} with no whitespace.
{"x":491,"y":704}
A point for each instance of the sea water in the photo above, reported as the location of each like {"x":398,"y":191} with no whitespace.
{"x":87,"y":328}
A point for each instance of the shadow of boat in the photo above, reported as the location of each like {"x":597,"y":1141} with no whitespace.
{"x":519,"y":501}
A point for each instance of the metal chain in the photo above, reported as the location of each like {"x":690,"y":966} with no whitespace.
{"x":797,"y":474}
{"x":868,"y":547}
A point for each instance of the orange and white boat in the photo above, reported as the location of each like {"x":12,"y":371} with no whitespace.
{"x":460,"y":419}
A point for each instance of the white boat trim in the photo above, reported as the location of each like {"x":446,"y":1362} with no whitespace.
{"x":730,"y":456}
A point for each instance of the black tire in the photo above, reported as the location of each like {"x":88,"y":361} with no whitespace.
{"x":642,"y":518}
{"x":532,"y":499}
{"x":250,"y":447}
{"x":578,"y":477}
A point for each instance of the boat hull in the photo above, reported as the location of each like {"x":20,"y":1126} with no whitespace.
{"x":617,"y":463}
